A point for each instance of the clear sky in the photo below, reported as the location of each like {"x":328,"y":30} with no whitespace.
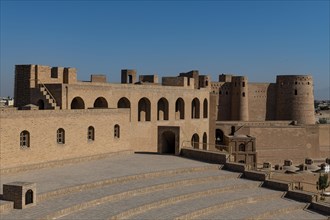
{"x":259,"y":39}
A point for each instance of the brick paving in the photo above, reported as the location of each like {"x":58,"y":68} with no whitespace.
{"x":77,"y":198}
{"x":250,"y":210}
{"x":182,"y":208}
{"x":300,"y":214}
{"x":107,"y":210}
{"x":49,"y":179}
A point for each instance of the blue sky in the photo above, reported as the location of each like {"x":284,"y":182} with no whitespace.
{"x":259,"y":39}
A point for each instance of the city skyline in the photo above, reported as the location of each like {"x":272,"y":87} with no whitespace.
{"x":257,"y":39}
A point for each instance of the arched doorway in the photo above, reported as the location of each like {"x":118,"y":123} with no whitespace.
{"x":204,"y":141}
{"x":179,"y":109}
{"x":168,"y":142}
{"x":123,"y":103}
{"x":28,"y":197}
{"x":168,"y":139}
{"x":195,"y":141}
{"x":144,"y":110}
{"x":41,"y":104}
{"x":77,"y":103}
{"x":219,"y":137}
{"x":205,"y":109}
{"x":100,"y":102}
{"x":195,"y":108}
{"x":162,"y":109}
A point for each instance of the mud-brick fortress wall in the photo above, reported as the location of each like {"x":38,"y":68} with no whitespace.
{"x":43,"y":125}
{"x":290,"y":98}
{"x":146,"y":109}
{"x":277,"y":140}
{"x":144,"y":132}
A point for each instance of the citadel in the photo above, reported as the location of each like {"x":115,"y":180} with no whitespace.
{"x":58,"y":121}
{"x":250,"y":122}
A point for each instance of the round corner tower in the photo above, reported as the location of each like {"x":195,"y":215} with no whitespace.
{"x":240,"y":104}
{"x":295,"y":98}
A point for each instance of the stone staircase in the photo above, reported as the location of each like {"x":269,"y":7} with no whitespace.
{"x":50,"y":100}
{"x":185,"y":193}
{"x":151,"y":187}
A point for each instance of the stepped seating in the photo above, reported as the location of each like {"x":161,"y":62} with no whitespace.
{"x":6,"y":206}
{"x":199,"y":192}
{"x":255,"y":209}
{"x":115,"y":188}
{"x":299,"y":214}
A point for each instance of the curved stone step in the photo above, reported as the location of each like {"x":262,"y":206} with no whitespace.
{"x":248,"y":209}
{"x":301,"y":214}
{"x":186,"y":207}
{"x":181,"y":198}
{"x":120,"y":180}
{"x":233,"y":206}
{"x":115,"y":207}
{"x":6,"y":206}
{"x":128,"y":193}
{"x":271,"y":214}
{"x":201,"y":213}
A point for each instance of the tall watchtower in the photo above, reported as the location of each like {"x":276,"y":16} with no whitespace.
{"x":240,"y":103}
{"x":295,"y":98}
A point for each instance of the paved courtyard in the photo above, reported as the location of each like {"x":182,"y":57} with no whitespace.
{"x":150,"y":186}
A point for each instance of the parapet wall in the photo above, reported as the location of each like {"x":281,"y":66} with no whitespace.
{"x":43,"y":125}
{"x":276,"y":141}
{"x":177,"y":81}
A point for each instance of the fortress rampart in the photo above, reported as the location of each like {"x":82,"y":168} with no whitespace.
{"x":144,"y":113}
{"x":290,"y":98}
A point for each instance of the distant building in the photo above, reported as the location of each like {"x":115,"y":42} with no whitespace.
{"x":6,"y":102}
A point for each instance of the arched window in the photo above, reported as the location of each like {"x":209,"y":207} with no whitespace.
{"x":204,"y":141}
{"x":60,"y":136}
{"x":123,"y":103}
{"x":24,"y":139}
{"x":241,"y":147}
{"x":179,"y":109}
{"x":195,"y":108}
{"x":100,"y":102}
{"x":205,"y":109}
{"x":144,"y":111}
{"x":91,"y":133}
{"x":41,"y":104}
{"x":162,"y":109}
{"x":116,"y":131}
{"x":243,"y":94}
{"x":295,"y":92}
{"x":195,"y":141}
{"x":28,"y":197}
{"x":77,"y":103}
